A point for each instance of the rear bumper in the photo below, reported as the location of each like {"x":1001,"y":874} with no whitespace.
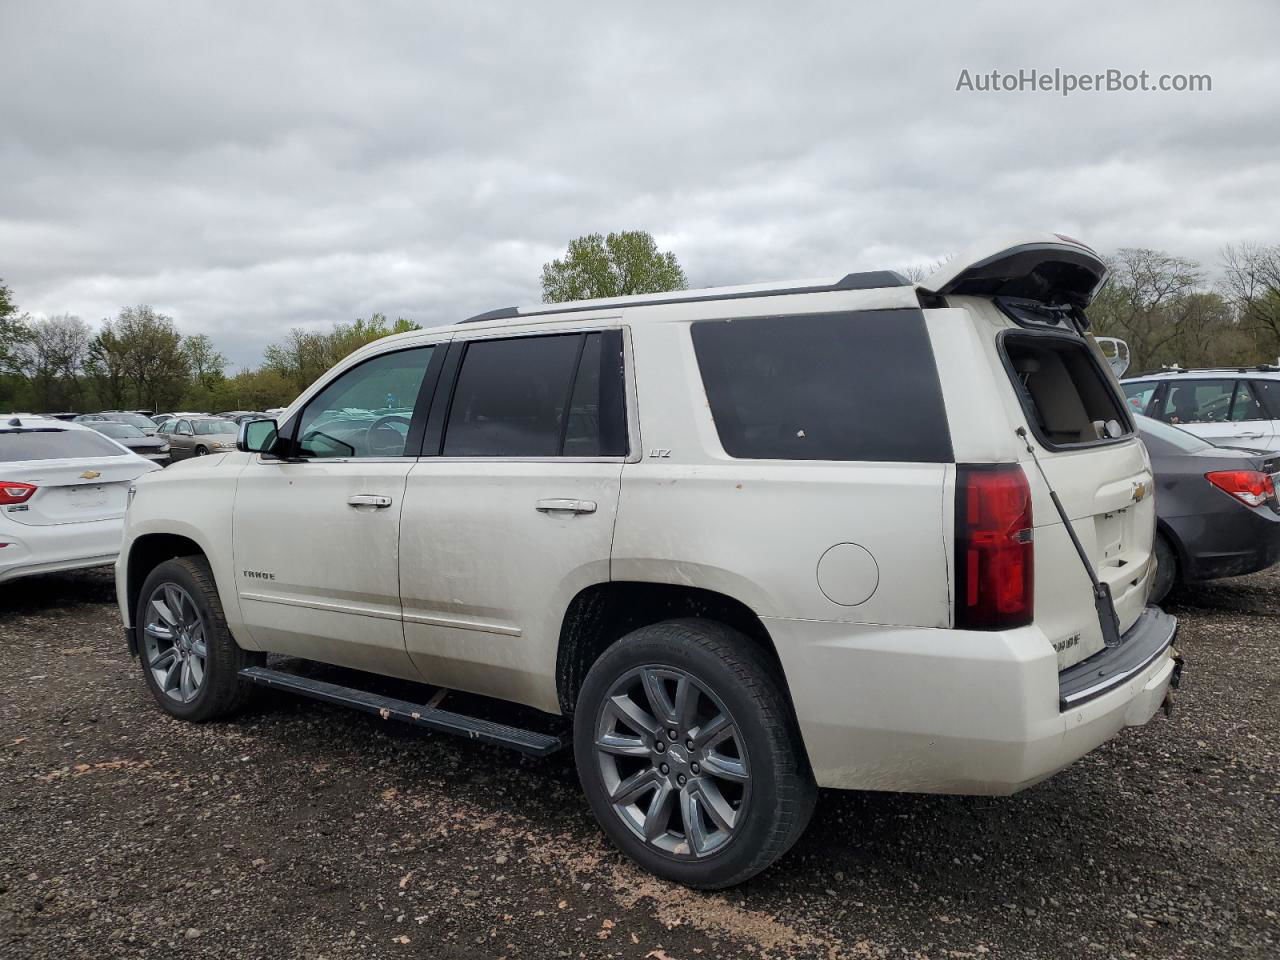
{"x":1147,"y":640}
{"x":59,"y":546}
{"x":1227,"y":543}
{"x":954,"y":711}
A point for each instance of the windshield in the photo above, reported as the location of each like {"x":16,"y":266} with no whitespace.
{"x":1178,"y":439}
{"x":118,"y":431}
{"x":204,"y":428}
{"x":135,"y":419}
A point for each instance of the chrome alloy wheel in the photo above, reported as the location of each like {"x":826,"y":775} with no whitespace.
{"x":673,"y":762}
{"x":174,"y":642}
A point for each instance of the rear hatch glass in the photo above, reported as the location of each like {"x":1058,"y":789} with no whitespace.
{"x":1068,"y":398}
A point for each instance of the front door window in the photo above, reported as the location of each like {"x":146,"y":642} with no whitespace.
{"x":366,"y":411}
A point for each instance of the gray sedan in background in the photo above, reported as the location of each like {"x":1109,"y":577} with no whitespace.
{"x":153,"y":448}
{"x":199,"y":436}
{"x":1216,"y":509}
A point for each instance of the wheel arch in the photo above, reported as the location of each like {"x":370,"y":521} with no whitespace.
{"x":602,"y":613}
{"x":147,"y":552}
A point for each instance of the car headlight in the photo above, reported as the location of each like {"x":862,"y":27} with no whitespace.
{"x":163,"y":448}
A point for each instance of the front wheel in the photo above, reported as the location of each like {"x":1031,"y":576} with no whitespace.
{"x":202,"y":451}
{"x":689,"y":756}
{"x":190,"y":661}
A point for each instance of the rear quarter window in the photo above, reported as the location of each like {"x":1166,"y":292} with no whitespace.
{"x":55,"y":445}
{"x":858,"y":385}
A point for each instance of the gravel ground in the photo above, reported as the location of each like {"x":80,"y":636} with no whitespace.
{"x":303,"y":830}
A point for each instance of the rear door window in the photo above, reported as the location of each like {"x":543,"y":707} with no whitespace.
{"x":55,"y":445}
{"x":833,"y":386}
{"x":597,"y":420}
{"x":1198,"y":401}
{"x":545,"y":396}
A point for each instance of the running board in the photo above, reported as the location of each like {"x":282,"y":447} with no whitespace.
{"x":433,"y":718}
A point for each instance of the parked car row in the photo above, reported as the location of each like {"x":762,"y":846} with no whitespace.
{"x":64,"y":480}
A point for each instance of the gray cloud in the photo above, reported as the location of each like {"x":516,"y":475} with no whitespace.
{"x":249,"y":170}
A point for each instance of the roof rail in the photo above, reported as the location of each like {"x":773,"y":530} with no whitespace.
{"x":868,"y":280}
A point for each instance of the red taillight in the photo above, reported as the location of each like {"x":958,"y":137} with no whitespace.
{"x":11,"y":491}
{"x":1252,"y":487}
{"x":994,"y":551}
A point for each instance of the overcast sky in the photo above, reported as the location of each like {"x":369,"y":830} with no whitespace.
{"x":250,"y":167}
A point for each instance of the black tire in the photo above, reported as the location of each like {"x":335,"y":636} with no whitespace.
{"x":201,"y":452}
{"x":732,"y":670}
{"x":1166,"y":568}
{"x":221,"y":693}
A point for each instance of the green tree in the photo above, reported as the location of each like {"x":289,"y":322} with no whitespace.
{"x":13,"y":332}
{"x":1251,"y":281}
{"x":618,"y":265}
{"x":252,"y":390}
{"x":1145,"y":303}
{"x":51,"y":356}
{"x":105,"y":368}
{"x":206,"y":363}
{"x":153,"y":359}
{"x":304,"y":355}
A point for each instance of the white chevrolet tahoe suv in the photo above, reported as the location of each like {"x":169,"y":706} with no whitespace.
{"x":851,"y":533}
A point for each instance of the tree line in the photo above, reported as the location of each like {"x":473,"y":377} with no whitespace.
{"x":1169,"y":311}
{"x":1167,"y":308}
{"x":139,"y":360}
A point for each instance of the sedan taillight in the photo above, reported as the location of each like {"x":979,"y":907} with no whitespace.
{"x":12,"y":491}
{"x":1250,"y":487}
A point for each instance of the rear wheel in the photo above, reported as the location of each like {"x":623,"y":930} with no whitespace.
{"x":1166,"y":568}
{"x":190,"y":661}
{"x":689,"y":756}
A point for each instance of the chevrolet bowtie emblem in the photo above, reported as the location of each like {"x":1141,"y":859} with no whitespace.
{"x":90,"y":475}
{"x":1139,"y":491}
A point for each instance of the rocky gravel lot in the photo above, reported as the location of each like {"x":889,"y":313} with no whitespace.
{"x":305,"y":831}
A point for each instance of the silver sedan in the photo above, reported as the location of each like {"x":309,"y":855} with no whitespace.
{"x":198,"y":436}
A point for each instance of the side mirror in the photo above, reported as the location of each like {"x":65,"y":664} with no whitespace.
{"x":257,"y":436}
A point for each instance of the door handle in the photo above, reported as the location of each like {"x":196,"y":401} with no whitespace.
{"x":565,"y":506}
{"x":369,"y":500}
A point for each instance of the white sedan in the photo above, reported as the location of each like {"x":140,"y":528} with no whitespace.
{"x":63,"y":493}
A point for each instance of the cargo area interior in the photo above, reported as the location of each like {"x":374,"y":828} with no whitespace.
{"x":1064,"y":392}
